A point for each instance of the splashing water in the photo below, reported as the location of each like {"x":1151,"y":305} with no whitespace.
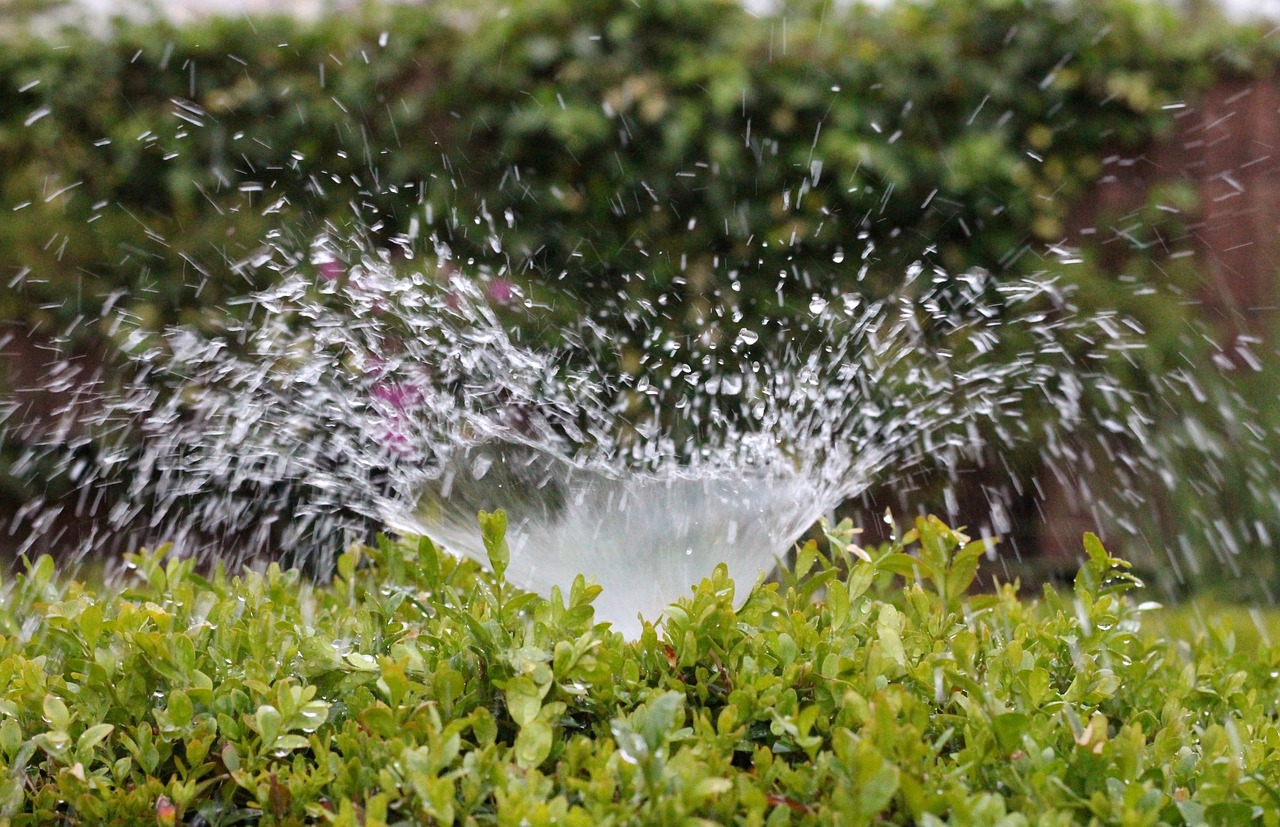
{"x":645,"y":537}
{"x":372,"y":394}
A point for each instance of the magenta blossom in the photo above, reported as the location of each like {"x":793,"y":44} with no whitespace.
{"x":330,"y":269}
{"x":395,"y":442}
{"x":500,"y":291}
{"x":401,"y":396}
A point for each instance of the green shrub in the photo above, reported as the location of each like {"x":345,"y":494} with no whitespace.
{"x":155,"y":163}
{"x":415,"y":689}
{"x":682,"y":139}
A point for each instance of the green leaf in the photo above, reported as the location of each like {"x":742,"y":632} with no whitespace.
{"x":12,"y":794}
{"x":180,"y":708}
{"x":1037,"y":686}
{"x":428,"y":561}
{"x":902,"y":564}
{"x":785,"y":648}
{"x":860,"y":579}
{"x":91,"y":737}
{"x":878,"y":791}
{"x":91,"y":623}
{"x":493,"y":530}
{"x":563,"y":658}
{"x":394,"y":683}
{"x":1008,"y":729}
{"x":289,"y":743}
{"x":230,"y":758}
{"x":54,"y":742}
{"x":10,"y":738}
{"x":380,"y":719}
{"x":806,"y":556}
{"x":362,"y":662}
{"x":887,"y":632}
{"x":1192,"y":813}
{"x":659,"y":718}
{"x":1097,"y":554}
{"x":1228,"y":814}
{"x":347,"y":562}
{"x":268,"y":722}
{"x":512,"y":609}
{"x":533,"y":744}
{"x":56,"y":714}
{"x":524,"y":699}
{"x":936,"y":541}
{"x":963,"y":569}
{"x":838,"y":601}
{"x":483,"y":726}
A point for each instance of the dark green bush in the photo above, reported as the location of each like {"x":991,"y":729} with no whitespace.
{"x":415,"y":689}
{"x":160,"y":161}
{"x":683,"y":140}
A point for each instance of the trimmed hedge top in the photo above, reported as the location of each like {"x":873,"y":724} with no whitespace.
{"x":660,"y":167}
{"x":416,"y":689}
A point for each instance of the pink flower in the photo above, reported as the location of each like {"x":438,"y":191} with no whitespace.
{"x":330,"y":269}
{"x":400,"y":396}
{"x":500,"y":291}
{"x":395,"y":442}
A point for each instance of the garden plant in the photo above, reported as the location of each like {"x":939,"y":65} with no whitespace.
{"x":680,"y":160}
{"x":606,"y":158}
{"x":859,"y":687}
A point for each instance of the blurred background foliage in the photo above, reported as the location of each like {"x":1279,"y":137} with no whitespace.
{"x":609,"y":158}
{"x":682,"y":139}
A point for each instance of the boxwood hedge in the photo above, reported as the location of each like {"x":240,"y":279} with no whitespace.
{"x":415,"y":689}
{"x":616,"y":158}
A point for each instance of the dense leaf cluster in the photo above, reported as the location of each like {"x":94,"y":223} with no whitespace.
{"x":668,"y":148}
{"x":415,"y":689}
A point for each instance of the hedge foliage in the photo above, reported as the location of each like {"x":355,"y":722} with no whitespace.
{"x":677,"y":159}
{"x":580,"y":144}
{"x":416,"y":689}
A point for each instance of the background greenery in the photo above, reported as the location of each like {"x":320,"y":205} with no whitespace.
{"x":674,"y":138}
{"x":737,"y":162}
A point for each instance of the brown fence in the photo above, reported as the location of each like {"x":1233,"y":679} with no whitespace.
{"x":1226,"y":148}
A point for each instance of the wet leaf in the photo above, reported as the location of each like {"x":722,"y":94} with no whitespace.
{"x":533,"y":744}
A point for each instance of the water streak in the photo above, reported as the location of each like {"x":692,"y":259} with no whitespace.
{"x":357,"y":393}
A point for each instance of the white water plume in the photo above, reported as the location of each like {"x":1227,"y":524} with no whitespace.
{"x":369,"y":393}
